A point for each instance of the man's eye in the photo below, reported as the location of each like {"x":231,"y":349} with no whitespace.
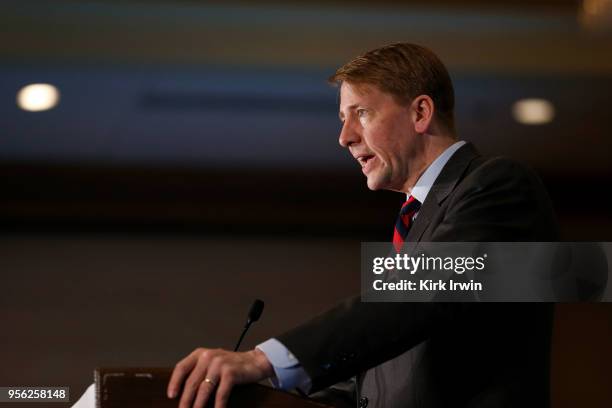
{"x":362,"y":114}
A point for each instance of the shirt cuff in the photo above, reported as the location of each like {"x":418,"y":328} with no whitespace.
{"x":289,"y":373}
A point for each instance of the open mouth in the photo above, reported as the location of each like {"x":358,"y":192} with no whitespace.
{"x":363,"y":160}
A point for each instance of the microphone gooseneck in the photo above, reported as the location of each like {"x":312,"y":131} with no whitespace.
{"x":254,"y":315}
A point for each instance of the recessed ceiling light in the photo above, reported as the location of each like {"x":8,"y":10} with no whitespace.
{"x":533,"y":111}
{"x":596,"y":15}
{"x":38,"y":97}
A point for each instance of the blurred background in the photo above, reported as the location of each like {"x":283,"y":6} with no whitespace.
{"x":163,"y":163}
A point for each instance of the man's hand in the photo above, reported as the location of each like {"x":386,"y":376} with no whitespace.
{"x":205,"y":370}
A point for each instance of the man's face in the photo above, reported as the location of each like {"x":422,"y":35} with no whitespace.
{"x":381,"y":136}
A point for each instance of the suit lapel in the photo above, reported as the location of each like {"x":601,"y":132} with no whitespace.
{"x":428,"y":209}
{"x":442,"y":187}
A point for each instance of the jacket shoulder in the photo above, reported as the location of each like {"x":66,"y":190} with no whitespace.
{"x":498,"y":199}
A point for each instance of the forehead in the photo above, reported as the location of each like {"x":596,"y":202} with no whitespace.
{"x":364,"y":95}
{"x":350,"y":92}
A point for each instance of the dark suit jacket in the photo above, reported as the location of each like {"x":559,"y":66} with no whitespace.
{"x":446,"y":354}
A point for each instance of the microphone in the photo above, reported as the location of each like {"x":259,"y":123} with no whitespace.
{"x":254,"y":315}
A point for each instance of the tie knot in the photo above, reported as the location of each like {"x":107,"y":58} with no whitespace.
{"x":411,"y":205}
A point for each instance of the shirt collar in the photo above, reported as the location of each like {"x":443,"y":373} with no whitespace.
{"x":428,"y":178}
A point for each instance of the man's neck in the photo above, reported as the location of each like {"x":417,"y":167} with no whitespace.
{"x":433,"y":147}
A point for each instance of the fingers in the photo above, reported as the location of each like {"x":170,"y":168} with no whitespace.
{"x":181,"y":370}
{"x":226,"y":384}
{"x":209,"y":382}
{"x":196,"y":378}
{"x":205,"y":390}
{"x":222,"y":368}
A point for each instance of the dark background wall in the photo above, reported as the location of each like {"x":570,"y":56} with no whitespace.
{"x":192,"y":163}
{"x":73,"y":303}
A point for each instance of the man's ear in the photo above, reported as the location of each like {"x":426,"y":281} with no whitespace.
{"x":423,"y":113}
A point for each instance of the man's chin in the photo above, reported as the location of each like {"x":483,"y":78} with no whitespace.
{"x":373,"y":184}
{"x":376,"y":182}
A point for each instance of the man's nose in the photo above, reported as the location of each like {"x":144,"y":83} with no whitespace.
{"x":348,"y":134}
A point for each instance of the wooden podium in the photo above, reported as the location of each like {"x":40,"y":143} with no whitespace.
{"x":130,"y":387}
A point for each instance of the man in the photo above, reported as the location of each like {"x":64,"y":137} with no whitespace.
{"x":396,"y":106}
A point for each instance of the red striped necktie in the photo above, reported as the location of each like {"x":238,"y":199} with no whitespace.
{"x":404,"y":222}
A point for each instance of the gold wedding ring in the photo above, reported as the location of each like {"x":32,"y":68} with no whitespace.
{"x":211,"y":382}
